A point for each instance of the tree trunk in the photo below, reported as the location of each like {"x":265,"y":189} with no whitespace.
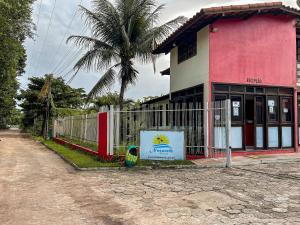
{"x":122,"y":92}
{"x":42,"y":132}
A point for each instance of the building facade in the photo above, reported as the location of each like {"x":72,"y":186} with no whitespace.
{"x":248,"y":54}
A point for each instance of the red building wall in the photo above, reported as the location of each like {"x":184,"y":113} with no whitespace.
{"x":257,"y":51}
{"x":261,"y":50}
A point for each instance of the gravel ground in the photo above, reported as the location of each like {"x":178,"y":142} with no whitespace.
{"x":37,"y":187}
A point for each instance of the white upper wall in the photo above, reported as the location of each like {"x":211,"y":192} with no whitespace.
{"x":193,"y":71}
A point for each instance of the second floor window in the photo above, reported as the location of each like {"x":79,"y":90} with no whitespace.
{"x":188,"y":48}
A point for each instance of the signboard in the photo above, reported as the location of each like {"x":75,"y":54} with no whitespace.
{"x":236,"y":104}
{"x":271,"y":103}
{"x":236,"y":108}
{"x":254,"y":80}
{"x":162,"y":145}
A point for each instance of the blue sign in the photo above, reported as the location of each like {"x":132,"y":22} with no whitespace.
{"x":162,"y":145}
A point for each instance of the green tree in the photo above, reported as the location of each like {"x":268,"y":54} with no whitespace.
{"x":121,"y":34}
{"x":15,"y":26}
{"x":62,"y":96}
{"x":108,"y":100}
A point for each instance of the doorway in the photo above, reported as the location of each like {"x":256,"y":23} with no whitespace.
{"x":249,"y":122}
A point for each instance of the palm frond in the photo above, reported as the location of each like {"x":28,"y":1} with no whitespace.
{"x":88,"y":42}
{"x":104,"y":27}
{"x":105,"y":82}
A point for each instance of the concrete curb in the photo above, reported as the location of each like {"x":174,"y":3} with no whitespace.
{"x":137,"y":168}
{"x":170,"y":167}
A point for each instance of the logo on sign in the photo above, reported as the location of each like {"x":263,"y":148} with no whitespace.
{"x":161,"y":144}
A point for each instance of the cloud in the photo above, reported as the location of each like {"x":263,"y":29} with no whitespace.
{"x":51,"y":54}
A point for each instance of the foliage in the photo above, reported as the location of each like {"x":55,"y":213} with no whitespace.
{"x":123,"y":32}
{"x":63,"y":96}
{"x":91,"y":145}
{"x":15,"y":117}
{"x":108,"y":100}
{"x":15,"y":26}
{"x":65,"y":112}
{"x":82,"y":160}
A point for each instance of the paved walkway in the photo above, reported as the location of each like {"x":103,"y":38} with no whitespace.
{"x":250,"y":160}
{"x":37,"y":187}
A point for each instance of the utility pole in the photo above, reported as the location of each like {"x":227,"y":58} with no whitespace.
{"x":48,"y":103}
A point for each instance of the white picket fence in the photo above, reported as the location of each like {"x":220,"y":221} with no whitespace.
{"x":84,"y":127}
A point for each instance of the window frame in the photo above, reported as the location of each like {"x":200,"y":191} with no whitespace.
{"x":187,"y":49}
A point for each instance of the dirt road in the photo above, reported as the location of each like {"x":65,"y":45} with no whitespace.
{"x":37,"y":187}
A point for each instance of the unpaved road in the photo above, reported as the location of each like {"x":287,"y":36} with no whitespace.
{"x":37,"y":187}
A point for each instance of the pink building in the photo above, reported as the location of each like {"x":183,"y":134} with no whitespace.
{"x":248,"y":54}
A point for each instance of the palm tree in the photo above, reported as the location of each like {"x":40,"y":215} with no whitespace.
{"x":121,"y":34}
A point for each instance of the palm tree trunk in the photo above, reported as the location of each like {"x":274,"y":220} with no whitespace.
{"x":122,"y":92}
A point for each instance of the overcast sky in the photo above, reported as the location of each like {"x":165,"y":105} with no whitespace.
{"x":49,"y":53}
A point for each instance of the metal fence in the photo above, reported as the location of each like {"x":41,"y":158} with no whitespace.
{"x":83,"y":128}
{"x":163,"y":117}
{"x":196,"y":121}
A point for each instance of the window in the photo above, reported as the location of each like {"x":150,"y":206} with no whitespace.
{"x":221,"y":87}
{"x":298,"y":50}
{"x":259,"y":110}
{"x":236,"y":109}
{"x":167,"y":115}
{"x":237,"y":88}
{"x":286,"y":109}
{"x":187,"y":49}
{"x":153,"y":116}
{"x":272,"y":104}
{"x":161,"y":115}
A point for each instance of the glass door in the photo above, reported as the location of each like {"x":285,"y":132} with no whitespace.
{"x":259,"y":122}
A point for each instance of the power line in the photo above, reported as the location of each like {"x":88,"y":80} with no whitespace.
{"x":47,"y":32}
{"x":67,"y":64}
{"x":65,"y":34}
{"x":61,"y":62}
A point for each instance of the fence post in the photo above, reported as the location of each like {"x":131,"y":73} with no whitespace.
{"x":85,"y":127}
{"x":118,"y":114}
{"x":228,"y":133}
{"x":206,"y":131}
{"x":71,"y":127}
{"x":111,"y":130}
{"x":103,"y":131}
{"x":54,"y":128}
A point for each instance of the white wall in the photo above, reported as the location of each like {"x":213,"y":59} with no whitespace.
{"x":193,"y":71}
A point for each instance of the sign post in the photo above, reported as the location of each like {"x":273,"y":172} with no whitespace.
{"x":228,"y":134}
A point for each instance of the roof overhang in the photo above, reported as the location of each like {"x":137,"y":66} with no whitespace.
{"x":166,"y":72}
{"x":209,"y":15}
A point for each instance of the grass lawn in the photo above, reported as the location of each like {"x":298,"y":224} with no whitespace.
{"x":90,"y":145}
{"x":85,"y":160}
{"x":81,"y":159}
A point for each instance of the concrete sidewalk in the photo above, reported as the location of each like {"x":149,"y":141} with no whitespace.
{"x":250,"y":160}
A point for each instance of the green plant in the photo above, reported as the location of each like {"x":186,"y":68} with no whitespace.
{"x":123,"y":32}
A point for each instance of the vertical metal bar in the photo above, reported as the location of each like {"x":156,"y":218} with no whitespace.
{"x":117,"y":134}
{"x":71,"y":132}
{"x":85,"y":127}
{"x":206,"y":131}
{"x":228,"y":133}
{"x":54,"y":128}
